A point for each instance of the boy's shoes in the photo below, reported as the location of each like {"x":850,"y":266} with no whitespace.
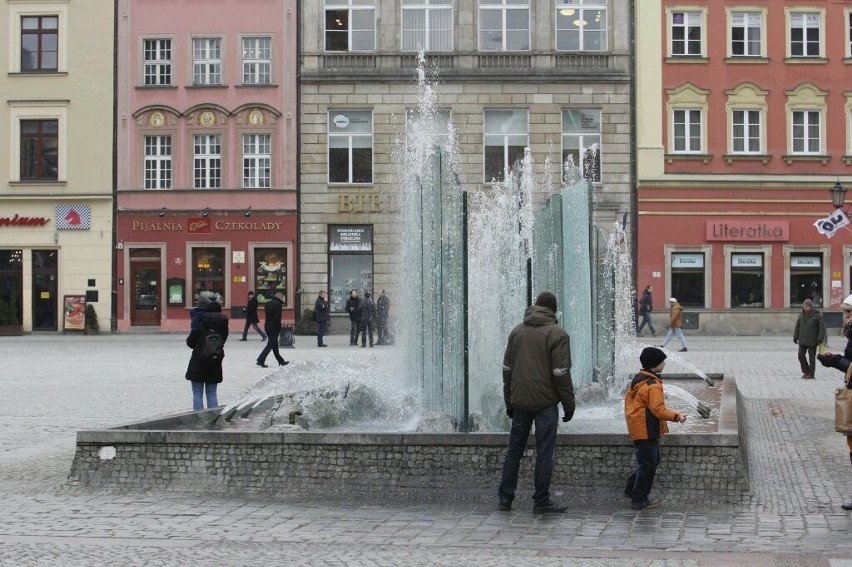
{"x":682,"y":350}
{"x":549,"y":507}
{"x":650,"y":505}
{"x":505,"y":505}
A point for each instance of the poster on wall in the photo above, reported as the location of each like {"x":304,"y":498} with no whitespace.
{"x":74,"y":308}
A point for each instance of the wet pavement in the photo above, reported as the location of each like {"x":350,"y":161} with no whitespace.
{"x":52,"y":386}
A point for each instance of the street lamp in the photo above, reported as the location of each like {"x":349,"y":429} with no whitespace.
{"x":838,"y":195}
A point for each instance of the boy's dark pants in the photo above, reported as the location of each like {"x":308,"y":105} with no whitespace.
{"x":642,"y":478}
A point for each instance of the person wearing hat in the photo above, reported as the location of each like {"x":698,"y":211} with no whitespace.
{"x":536,"y":378}
{"x":646,"y":414}
{"x":198,"y":311}
{"x":675,"y":325}
{"x":808,"y":333}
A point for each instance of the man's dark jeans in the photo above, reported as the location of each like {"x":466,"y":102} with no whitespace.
{"x":642,"y":478}
{"x":271,"y":346}
{"x":546,"y":423}
{"x":321,"y":325}
{"x":353,"y":332}
{"x":808,"y":364}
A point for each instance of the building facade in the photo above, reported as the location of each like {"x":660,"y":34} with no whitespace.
{"x":206,"y":157}
{"x":56,"y":202}
{"x":741,"y":133}
{"x":553,"y":76}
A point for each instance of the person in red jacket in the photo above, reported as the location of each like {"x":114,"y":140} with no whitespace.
{"x":646,"y":414}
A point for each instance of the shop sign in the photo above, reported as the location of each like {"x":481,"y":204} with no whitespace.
{"x":73,"y":217}
{"x":351,"y":238}
{"x":362,"y":203}
{"x":199,"y":225}
{"x":202,"y":225}
{"x":687,"y":260}
{"x":145,"y":226}
{"x":23,"y":221}
{"x":747,"y":260}
{"x":749,"y":231}
{"x":805,"y":261}
{"x":243,"y":225}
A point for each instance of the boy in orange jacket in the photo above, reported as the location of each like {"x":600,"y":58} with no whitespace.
{"x":646,"y":414}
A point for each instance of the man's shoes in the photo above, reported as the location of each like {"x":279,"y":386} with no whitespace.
{"x":283,"y":363}
{"x":549,"y":507}
{"x":243,"y":339}
{"x":682,"y":350}
{"x":645,"y":505}
{"x":808,"y":376}
{"x":322,"y":345}
{"x":261,"y":364}
{"x":365,"y":346}
{"x":505,"y":505}
{"x":371,"y":345}
{"x":847,"y":506}
{"x":263,"y":337}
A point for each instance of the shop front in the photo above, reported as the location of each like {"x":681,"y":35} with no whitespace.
{"x":164,"y":263}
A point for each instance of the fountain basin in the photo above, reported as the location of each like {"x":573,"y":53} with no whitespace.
{"x":152,"y":455}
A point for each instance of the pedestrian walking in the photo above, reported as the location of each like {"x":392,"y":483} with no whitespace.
{"x":536,"y":378}
{"x":382,"y":314}
{"x":322,"y":315}
{"x":272,"y":326}
{"x":353,"y":307}
{"x":646,"y":305}
{"x":808,"y":333}
{"x":368,"y":314}
{"x":251,"y":318}
{"x":205,"y":372}
{"x":675,"y":325}
{"x":646,"y":414}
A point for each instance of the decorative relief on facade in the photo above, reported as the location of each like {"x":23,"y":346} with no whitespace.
{"x":156,"y":119}
{"x":207,"y":119}
{"x":256,"y":118}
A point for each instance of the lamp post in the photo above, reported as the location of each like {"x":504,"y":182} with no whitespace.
{"x":838,"y":195}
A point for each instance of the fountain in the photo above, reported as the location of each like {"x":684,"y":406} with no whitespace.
{"x":515,"y":239}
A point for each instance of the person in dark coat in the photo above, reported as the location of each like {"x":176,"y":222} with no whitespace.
{"x":353,"y":307}
{"x":808,"y":333}
{"x":646,"y":305}
{"x":205,"y":374}
{"x":322,"y":315}
{"x":382,"y":313}
{"x":200,"y":309}
{"x":368,"y":314}
{"x":272,"y":326}
{"x":251,"y":318}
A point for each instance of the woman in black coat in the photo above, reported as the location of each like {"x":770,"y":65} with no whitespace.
{"x":205,"y":374}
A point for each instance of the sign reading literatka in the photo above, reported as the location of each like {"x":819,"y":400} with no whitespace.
{"x":748,"y":231}
{"x":23,"y":221}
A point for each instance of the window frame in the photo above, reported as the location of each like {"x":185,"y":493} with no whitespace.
{"x":503,"y":6}
{"x":745,"y":126}
{"x":18,"y":10}
{"x":349,"y":6}
{"x":207,"y":158}
{"x":761,"y":43}
{"x":258,"y":157}
{"x":191,"y":248}
{"x":765,"y":270}
{"x":702,"y":131}
{"x":332,"y":115}
{"x":257,"y":62}
{"x":582,"y":148}
{"x":582,"y":6}
{"x":40,"y":34}
{"x":145,"y":63}
{"x":159,"y":159}
{"x":505,"y":145}
{"x":41,"y":137}
{"x":806,"y":124}
{"x":701,"y":26}
{"x":789,"y":14}
{"x":38,"y":110}
{"x":209,"y":66}
{"x":430,"y":9}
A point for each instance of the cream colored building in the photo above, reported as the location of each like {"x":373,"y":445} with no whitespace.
{"x":555,"y":76}
{"x":56,"y":162}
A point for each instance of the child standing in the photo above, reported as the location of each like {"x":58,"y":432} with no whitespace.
{"x":646,"y":414}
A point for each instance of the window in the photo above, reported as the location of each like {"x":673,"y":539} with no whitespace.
{"x":257,"y":61}
{"x":270,"y":273}
{"x":687,"y":273}
{"x":39,"y":150}
{"x":747,"y":280}
{"x":746,"y":34}
{"x":257,"y":161}
{"x":805,"y":34}
{"x":806,"y":132}
{"x":158,"y":61}
{"x":505,"y":137}
{"x":849,"y":33}
{"x":686,"y":34}
{"x":208,"y":272}
{"x":427,"y":25}
{"x":158,"y":162}
{"x":350,"y":263}
{"x":745,"y":132}
{"x":207,"y":162}
{"x":349,"y":27}
{"x":581,"y":136}
{"x":806,"y":278}
{"x":39,"y":43}
{"x":350,"y":146}
{"x":581,"y":25}
{"x":686,"y":124}
{"x":432,"y":131}
{"x":207,"y":61}
{"x":504,"y":25}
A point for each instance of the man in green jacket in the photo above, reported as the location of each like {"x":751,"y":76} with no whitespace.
{"x":536,"y":377}
{"x":809,"y":332}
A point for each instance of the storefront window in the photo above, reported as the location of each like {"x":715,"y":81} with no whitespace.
{"x":806,"y":279}
{"x":688,"y":279}
{"x":270,"y":273}
{"x":350,"y":262}
{"x":208,"y":272}
{"x":747,"y":280}
{"x":11,"y":287}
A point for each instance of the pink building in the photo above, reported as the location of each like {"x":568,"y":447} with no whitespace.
{"x":206,"y":139}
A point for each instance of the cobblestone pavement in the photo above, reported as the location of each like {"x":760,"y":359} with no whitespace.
{"x":52,"y":386}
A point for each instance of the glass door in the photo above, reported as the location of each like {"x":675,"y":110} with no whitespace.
{"x":45,"y":300}
{"x":145,"y":303}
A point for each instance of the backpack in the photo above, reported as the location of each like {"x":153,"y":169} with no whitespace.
{"x":211,"y":346}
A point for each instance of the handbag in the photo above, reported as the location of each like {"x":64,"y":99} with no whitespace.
{"x":843,"y":407}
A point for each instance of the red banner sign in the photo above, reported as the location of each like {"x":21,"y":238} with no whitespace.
{"x":199,"y":225}
{"x":23,"y":221}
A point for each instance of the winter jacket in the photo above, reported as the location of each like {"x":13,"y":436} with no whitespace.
{"x":676,"y":316}
{"x":537,"y":364}
{"x":195,"y":315}
{"x":382,"y":308}
{"x":353,"y":307}
{"x":199,"y":369}
{"x":321,"y":310}
{"x":645,"y":408}
{"x":810,"y":329}
{"x":272,"y":323}
{"x":646,"y":303}
{"x":251,"y":311}
{"x":368,"y":311}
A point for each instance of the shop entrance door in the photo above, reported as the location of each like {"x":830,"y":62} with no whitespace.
{"x":145,"y":303}
{"x":45,"y":299}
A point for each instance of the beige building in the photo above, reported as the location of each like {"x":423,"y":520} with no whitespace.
{"x":554,"y":77}
{"x":56,"y":123}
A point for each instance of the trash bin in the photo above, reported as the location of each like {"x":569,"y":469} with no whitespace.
{"x":287,"y":337}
